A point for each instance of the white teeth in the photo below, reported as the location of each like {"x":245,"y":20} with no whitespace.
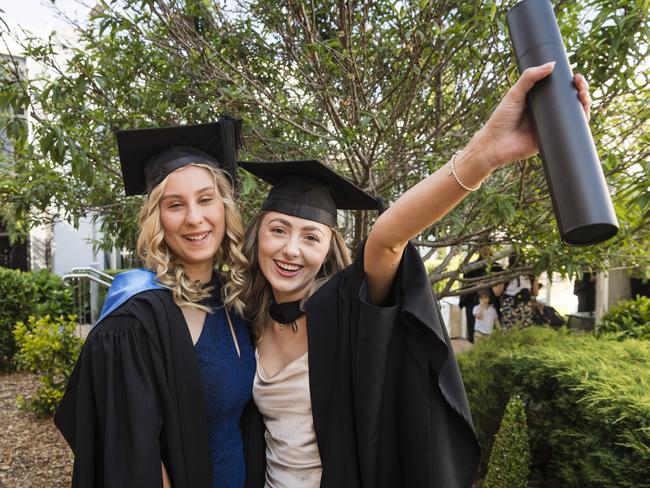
{"x":288,"y":267}
{"x":197,"y":238}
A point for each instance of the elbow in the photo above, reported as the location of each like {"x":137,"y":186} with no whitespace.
{"x":386,"y":235}
{"x":395,"y":249}
{"x":381,"y":244}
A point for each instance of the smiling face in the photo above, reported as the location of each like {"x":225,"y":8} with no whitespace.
{"x":290,"y":253}
{"x":192,"y":215}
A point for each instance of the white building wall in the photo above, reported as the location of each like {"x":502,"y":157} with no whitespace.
{"x":557,"y":292}
{"x":73,"y":248}
{"x":39,"y":240}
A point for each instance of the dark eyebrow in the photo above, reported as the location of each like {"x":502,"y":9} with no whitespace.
{"x":313,"y":228}
{"x":309,"y":228}
{"x":280,"y":220}
{"x":198,"y":192}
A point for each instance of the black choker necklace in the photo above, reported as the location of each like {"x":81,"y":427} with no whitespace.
{"x":286,"y":313}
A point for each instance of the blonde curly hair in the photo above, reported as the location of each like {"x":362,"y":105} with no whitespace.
{"x":229,"y":259}
{"x":257,"y":289}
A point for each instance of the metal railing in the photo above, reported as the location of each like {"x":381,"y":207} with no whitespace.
{"x":89,"y":289}
{"x":107,"y":278}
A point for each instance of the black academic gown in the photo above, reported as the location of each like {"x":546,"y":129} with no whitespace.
{"x":388,"y":403}
{"x":135,"y":399}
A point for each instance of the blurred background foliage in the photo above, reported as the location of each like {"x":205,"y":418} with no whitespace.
{"x":383,"y":91}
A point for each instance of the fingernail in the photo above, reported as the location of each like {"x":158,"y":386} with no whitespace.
{"x":548,"y":66}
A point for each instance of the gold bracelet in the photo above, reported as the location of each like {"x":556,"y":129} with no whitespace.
{"x":453,"y":172}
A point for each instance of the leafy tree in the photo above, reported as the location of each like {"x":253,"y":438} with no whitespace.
{"x":383,"y":91}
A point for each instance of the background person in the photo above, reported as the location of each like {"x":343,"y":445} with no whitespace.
{"x":517,"y":299}
{"x":469,"y":300}
{"x":585,"y":289}
{"x":485,"y":315}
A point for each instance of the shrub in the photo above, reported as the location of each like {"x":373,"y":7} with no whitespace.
{"x":509,"y":464}
{"x":17,"y":292}
{"x":24,"y":294}
{"x":627,"y":320}
{"x":49,"y":348}
{"x":53,"y":297}
{"x":588,"y":403}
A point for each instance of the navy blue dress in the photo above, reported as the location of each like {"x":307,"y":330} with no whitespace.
{"x":227,"y":382}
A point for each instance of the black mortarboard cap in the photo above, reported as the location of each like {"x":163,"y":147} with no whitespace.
{"x":149,"y":155}
{"x":310,"y":190}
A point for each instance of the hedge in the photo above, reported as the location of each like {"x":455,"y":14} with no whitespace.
{"x":25,"y":294}
{"x":588,"y":403}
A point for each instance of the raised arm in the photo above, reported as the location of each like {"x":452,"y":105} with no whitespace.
{"x":507,"y":136}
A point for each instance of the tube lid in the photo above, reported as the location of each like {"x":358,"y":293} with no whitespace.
{"x":532,"y":23}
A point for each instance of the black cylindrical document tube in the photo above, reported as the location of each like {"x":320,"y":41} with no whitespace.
{"x":581,"y":201}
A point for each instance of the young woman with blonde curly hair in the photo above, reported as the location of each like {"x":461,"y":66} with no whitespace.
{"x":157,"y":394}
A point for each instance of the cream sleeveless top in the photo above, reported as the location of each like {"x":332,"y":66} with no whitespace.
{"x":292,"y":458}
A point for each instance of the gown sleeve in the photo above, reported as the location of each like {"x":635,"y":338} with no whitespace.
{"x":406,"y":384}
{"x":371,"y":335}
{"x":110,"y":412}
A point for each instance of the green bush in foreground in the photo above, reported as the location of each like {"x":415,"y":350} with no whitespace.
{"x":52,"y":296}
{"x":24,"y":294}
{"x":588,"y":403}
{"x":627,"y":320}
{"x":49,"y":348}
{"x":509,"y":464}
{"x":17,"y":292}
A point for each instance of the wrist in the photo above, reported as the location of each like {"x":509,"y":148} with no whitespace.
{"x":482,"y":151}
{"x":472,"y":165}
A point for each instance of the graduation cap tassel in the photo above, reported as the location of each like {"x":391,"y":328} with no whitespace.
{"x":231,"y":141}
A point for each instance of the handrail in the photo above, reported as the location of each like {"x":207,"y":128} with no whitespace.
{"x":73,"y":276}
{"x":86,"y":283}
{"x":92,"y":270}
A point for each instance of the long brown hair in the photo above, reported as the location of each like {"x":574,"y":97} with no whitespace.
{"x":229,"y":259}
{"x":257,"y":290}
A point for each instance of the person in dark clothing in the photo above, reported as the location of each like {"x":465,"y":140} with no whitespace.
{"x":585,"y":289}
{"x":356,"y":382}
{"x":469,"y":300}
{"x":639,"y":286}
{"x":156,"y":397}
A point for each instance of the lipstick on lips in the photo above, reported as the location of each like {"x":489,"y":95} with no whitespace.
{"x":197,"y":239}
{"x":287,"y":269}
